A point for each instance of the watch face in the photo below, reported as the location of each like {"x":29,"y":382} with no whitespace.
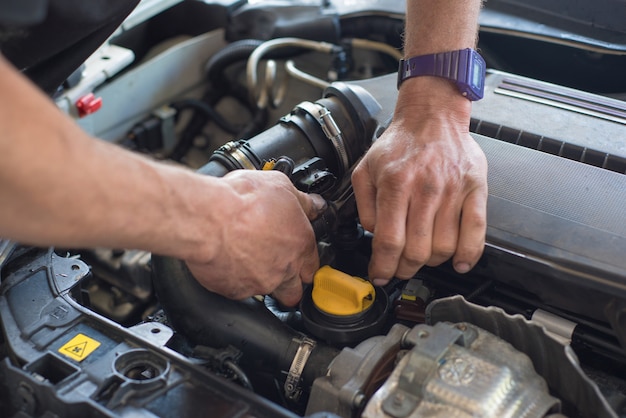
{"x":477,"y":73}
{"x":472,"y":86}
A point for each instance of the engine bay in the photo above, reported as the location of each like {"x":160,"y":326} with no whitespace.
{"x":536,"y":329}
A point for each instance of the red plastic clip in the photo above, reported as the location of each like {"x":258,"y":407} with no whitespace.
{"x":88,"y":104}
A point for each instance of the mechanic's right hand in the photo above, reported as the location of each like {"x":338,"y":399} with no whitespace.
{"x":262,"y":238}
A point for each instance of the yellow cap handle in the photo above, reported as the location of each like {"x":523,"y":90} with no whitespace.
{"x":337,"y":293}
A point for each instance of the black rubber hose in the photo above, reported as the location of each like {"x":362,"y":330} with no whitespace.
{"x":256,"y":125}
{"x":186,"y":138}
{"x":207,"y":110}
{"x":213,"y":320}
{"x":231,"y":54}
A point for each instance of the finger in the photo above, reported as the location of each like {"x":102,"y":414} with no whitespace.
{"x":310,"y":264}
{"x":289,"y":292}
{"x":472,"y":231}
{"x":231,"y":289}
{"x":445,"y":232}
{"x":365,"y":195}
{"x":312,"y":204}
{"x":389,"y":233}
{"x":419,"y":235}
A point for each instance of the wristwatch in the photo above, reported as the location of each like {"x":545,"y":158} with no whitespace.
{"x":465,"y":67}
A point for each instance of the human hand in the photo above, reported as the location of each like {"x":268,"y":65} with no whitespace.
{"x":264,"y":240}
{"x":422,"y":186}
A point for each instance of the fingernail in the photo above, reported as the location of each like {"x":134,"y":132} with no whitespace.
{"x":462,"y":267}
{"x":319,"y":203}
{"x":380,"y":282}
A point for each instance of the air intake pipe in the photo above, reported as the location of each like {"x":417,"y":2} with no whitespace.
{"x":337,"y":130}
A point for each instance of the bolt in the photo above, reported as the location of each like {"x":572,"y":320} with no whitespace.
{"x":398,"y":399}
{"x":26,"y":395}
{"x":359,"y":400}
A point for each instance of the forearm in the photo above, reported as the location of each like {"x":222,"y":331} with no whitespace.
{"x":437,"y":26}
{"x":59,"y":186}
{"x":440,"y":25}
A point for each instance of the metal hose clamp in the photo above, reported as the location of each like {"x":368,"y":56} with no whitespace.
{"x":292,"y":387}
{"x":330,"y":128}
{"x":232,"y":148}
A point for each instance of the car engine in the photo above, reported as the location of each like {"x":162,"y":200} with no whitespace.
{"x":536,"y":329}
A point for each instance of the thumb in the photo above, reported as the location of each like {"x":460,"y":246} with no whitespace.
{"x":312,"y":204}
{"x":289,"y":292}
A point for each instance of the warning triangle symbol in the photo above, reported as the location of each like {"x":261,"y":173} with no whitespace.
{"x":77,"y":350}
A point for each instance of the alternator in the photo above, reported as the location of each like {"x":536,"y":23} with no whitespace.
{"x":461,"y":371}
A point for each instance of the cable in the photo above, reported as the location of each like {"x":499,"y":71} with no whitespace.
{"x":208,"y":111}
{"x":240,"y":374}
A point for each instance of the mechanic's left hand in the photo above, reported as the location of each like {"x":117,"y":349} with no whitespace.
{"x":422,"y":187}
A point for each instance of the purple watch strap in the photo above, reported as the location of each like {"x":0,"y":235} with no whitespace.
{"x":442,"y":64}
{"x":464,"y":67}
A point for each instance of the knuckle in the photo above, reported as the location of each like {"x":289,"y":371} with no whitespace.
{"x":408,"y":266}
{"x":474,"y":220}
{"x":367,"y":222}
{"x":358,"y":173}
{"x":266,"y":288}
{"x":395,"y":171}
{"x":263,"y":285}
{"x":416,"y":257}
{"x":393,"y":178}
{"x":405,"y":273}
{"x":388,"y":244}
{"x":431,"y":188}
{"x":443,"y":251}
{"x":235,"y":293}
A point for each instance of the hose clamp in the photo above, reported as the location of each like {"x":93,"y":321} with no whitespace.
{"x":232,"y":149}
{"x":292,"y":387}
{"x":330,"y":128}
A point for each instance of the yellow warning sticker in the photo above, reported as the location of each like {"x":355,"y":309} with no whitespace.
{"x":79,"y":347}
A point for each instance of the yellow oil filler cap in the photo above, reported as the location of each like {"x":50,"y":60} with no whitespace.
{"x":337,"y":293}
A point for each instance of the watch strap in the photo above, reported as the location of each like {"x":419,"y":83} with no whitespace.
{"x":439,"y":64}
{"x":451,"y":65}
